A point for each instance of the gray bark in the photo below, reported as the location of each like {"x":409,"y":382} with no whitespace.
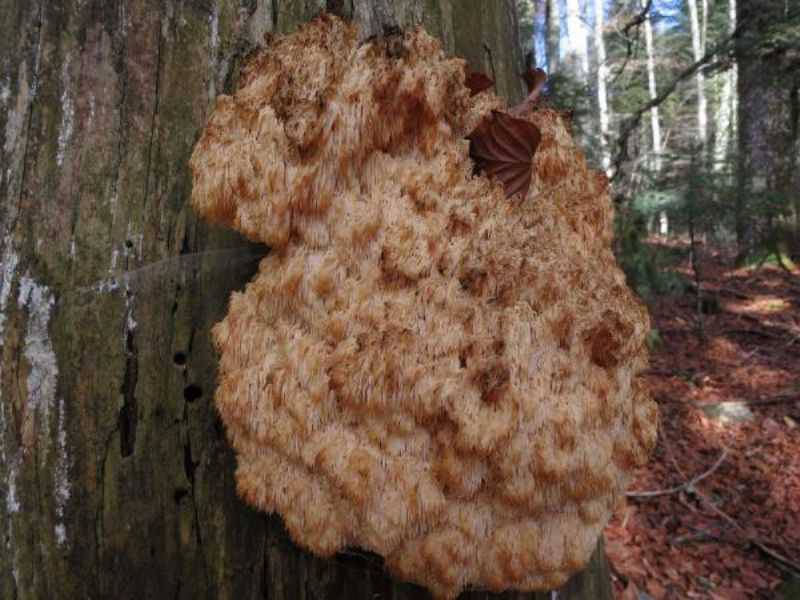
{"x":767,"y":84}
{"x":115,"y":477}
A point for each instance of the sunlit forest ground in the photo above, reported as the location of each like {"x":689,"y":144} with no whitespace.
{"x":716,"y":512}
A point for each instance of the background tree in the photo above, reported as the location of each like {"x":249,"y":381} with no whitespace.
{"x":767,"y":54}
{"x":115,"y":477}
{"x":698,"y":28}
{"x":553,"y":36}
{"x":602,"y":88}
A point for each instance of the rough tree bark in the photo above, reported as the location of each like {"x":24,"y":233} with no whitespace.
{"x":115,"y":477}
{"x":768,"y":81}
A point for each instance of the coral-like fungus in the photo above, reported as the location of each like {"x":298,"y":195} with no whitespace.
{"x":422,"y":367}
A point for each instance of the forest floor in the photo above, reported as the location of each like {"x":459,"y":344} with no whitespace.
{"x":716,"y":512}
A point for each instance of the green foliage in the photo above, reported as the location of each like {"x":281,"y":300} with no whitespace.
{"x":654,"y":341}
{"x":648,"y":268}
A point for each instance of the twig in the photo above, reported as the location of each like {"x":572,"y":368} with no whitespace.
{"x":766,"y":334}
{"x":640,"y":18}
{"x":780,"y":558}
{"x":730,"y":292}
{"x":777,"y":400}
{"x":689,"y":485}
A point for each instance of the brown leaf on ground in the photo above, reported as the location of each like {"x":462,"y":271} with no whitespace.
{"x":502,"y":148}
{"x":735,"y":390}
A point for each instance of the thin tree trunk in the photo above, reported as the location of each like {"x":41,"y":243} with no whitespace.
{"x":577,"y":54}
{"x":602,"y":76}
{"x":655,"y":121}
{"x":541,"y":49}
{"x":698,"y":35}
{"x":725,"y":126}
{"x":553,"y":36}
{"x":116,"y":480}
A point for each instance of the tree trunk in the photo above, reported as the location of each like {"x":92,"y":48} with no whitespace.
{"x":698,"y":49}
{"x":766,"y":84}
{"x":577,"y":55}
{"x":725,"y":127}
{"x":553,"y":36}
{"x":115,"y":477}
{"x":655,"y":122}
{"x":602,"y":76}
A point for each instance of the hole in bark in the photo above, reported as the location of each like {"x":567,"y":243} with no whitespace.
{"x":192,"y":392}
{"x":180,"y":494}
{"x":128,"y":244}
{"x":179,"y":358}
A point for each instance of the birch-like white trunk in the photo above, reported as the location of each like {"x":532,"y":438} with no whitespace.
{"x":655,"y":121}
{"x":602,"y":89}
{"x":725,"y":125}
{"x":577,"y":54}
{"x":700,"y":79}
{"x":553,"y":35}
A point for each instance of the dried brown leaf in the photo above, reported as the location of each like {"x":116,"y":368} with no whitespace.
{"x":478,"y":82}
{"x":502,"y":148}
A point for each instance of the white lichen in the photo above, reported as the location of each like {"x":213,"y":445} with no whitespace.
{"x":7,"y":271}
{"x":7,"y":274}
{"x":5,"y":91}
{"x":16,"y":113}
{"x":61,"y":475}
{"x":67,"y":116}
{"x":130,"y":321}
{"x":12,"y":502}
{"x":42,"y":383}
{"x":38,"y":351}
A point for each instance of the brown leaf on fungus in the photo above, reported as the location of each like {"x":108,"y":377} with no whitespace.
{"x":502,"y":148}
{"x":478,"y":82}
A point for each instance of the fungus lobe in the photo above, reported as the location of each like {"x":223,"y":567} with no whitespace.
{"x":418,"y":367}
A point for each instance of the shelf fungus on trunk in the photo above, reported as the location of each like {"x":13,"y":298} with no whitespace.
{"x":422,"y":367}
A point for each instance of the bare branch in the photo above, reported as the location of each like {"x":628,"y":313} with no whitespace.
{"x":632,"y":122}
{"x":689,"y":485}
{"x":637,"y":20}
